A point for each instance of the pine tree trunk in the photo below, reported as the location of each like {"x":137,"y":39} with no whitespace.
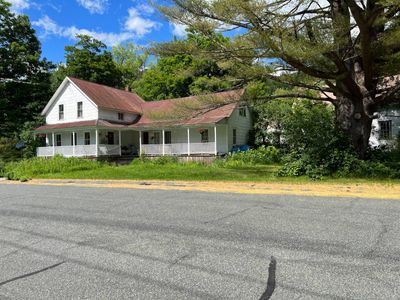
{"x":355,"y":123}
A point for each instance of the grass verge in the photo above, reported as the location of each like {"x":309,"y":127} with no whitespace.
{"x":163,"y":169}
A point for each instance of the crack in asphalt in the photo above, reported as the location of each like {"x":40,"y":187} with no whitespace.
{"x":271,"y":280}
{"x":31,"y":273}
{"x":137,"y":255}
{"x":228,"y":215}
{"x":179,"y":259}
{"x":122,"y":273}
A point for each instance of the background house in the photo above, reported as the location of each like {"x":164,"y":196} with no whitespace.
{"x":386,"y":129}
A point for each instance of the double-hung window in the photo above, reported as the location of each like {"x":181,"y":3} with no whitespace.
{"x":87,"y":138}
{"x":58,"y":140}
{"x":242,"y":111}
{"x":168,"y":137}
{"x":79,"y":112}
{"x":385,"y":131}
{"x":61,"y":112}
{"x":204,"y":136}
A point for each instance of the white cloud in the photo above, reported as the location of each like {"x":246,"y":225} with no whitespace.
{"x":139,"y":25}
{"x":145,"y":9}
{"x":94,"y":6}
{"x":19,"y":5}
{"x":50,"y":27}
{"x":178,"y":30}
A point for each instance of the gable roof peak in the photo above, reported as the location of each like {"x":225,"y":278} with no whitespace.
{"x":109,"y":97}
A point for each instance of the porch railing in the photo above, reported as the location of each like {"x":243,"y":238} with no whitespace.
{"x":179,"y":148}
{"x":78,"y":150}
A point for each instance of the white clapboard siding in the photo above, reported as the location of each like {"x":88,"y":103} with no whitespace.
{"x":69,"y":97}
{"x":242,"y":125}
{"x":113,"y":115}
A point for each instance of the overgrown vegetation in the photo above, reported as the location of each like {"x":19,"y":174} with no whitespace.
{"x":255,"y":165}
{"x":35,"y":167}
{"x":311,"y":145}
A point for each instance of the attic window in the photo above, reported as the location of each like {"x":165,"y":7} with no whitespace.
{"x":120,"y":116}
{"x":80,"y":110}
{"x":61,"y":112}
{"x":242,"y":111}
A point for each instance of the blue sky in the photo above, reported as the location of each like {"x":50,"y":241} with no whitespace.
{"x":58,"y":21}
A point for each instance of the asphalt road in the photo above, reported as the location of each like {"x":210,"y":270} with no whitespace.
{"x":102,"y":243}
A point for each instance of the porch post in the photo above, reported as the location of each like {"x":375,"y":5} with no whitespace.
{"x":140,"y":142}
{"x":227,"y":138}
{"x":54,"y":147}
{"x":188,"y":141}
{"x":163,"y":142}
{"x":73,"y":143}
{"x":215,"y":139}
{"x":97,"y":143}
{"x":119,"y":142}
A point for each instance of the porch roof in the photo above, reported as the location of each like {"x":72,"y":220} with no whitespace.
{"x":91,"y":123}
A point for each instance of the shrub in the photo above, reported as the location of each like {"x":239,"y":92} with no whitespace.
{"x":261,"y":155}
{"x":162,"y":160}
{"x":28,"y":168}
{"x":337,"y":162}
{"x":8,"y":152}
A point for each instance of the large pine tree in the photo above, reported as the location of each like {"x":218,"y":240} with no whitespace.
{"x":347,"y":51}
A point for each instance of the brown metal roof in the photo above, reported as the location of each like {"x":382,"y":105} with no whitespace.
{"x":194,"y":110}
{"x":203,"y":109}
{"x":110,"y":98}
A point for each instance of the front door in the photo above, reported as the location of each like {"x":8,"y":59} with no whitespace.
{"x":145,"y":137}
{"x":110,"y":138}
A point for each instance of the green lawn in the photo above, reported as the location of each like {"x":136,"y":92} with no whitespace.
{"x":163,"y":169}
{"x":259,"y":173}
{"x":172,"y":172}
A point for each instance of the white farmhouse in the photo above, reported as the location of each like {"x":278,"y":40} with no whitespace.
{"x":89,"y":119}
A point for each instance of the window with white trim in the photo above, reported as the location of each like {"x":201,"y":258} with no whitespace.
{"x":87,"y":138}
{"x":385,"y":130}
{"x":61,"y":112}
{"x":58,"y":140}
{"x":168,"y":137}
{"x":120,"y":116}
{"x":79,"y":109}
{"x":204,"y":136}
{"x":242,"y":111}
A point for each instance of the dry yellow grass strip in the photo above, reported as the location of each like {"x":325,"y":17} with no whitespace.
{"x":362,"y":190}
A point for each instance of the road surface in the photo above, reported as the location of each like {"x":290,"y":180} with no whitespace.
{"x":105,"y":243}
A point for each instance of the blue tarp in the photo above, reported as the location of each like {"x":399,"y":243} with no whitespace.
{"x":243,"y":148}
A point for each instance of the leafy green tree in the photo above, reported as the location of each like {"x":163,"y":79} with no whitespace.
{"x":346,"y":50}
{"x":168,"y":78}
{"x":131,"y":62}
{"x":179,"y":74}
{"x":24,"y":76}
{"x":89,"y":60}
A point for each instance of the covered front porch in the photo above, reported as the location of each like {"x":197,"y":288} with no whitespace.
{"x":97,"y":142}
{"x":82,"y":143}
